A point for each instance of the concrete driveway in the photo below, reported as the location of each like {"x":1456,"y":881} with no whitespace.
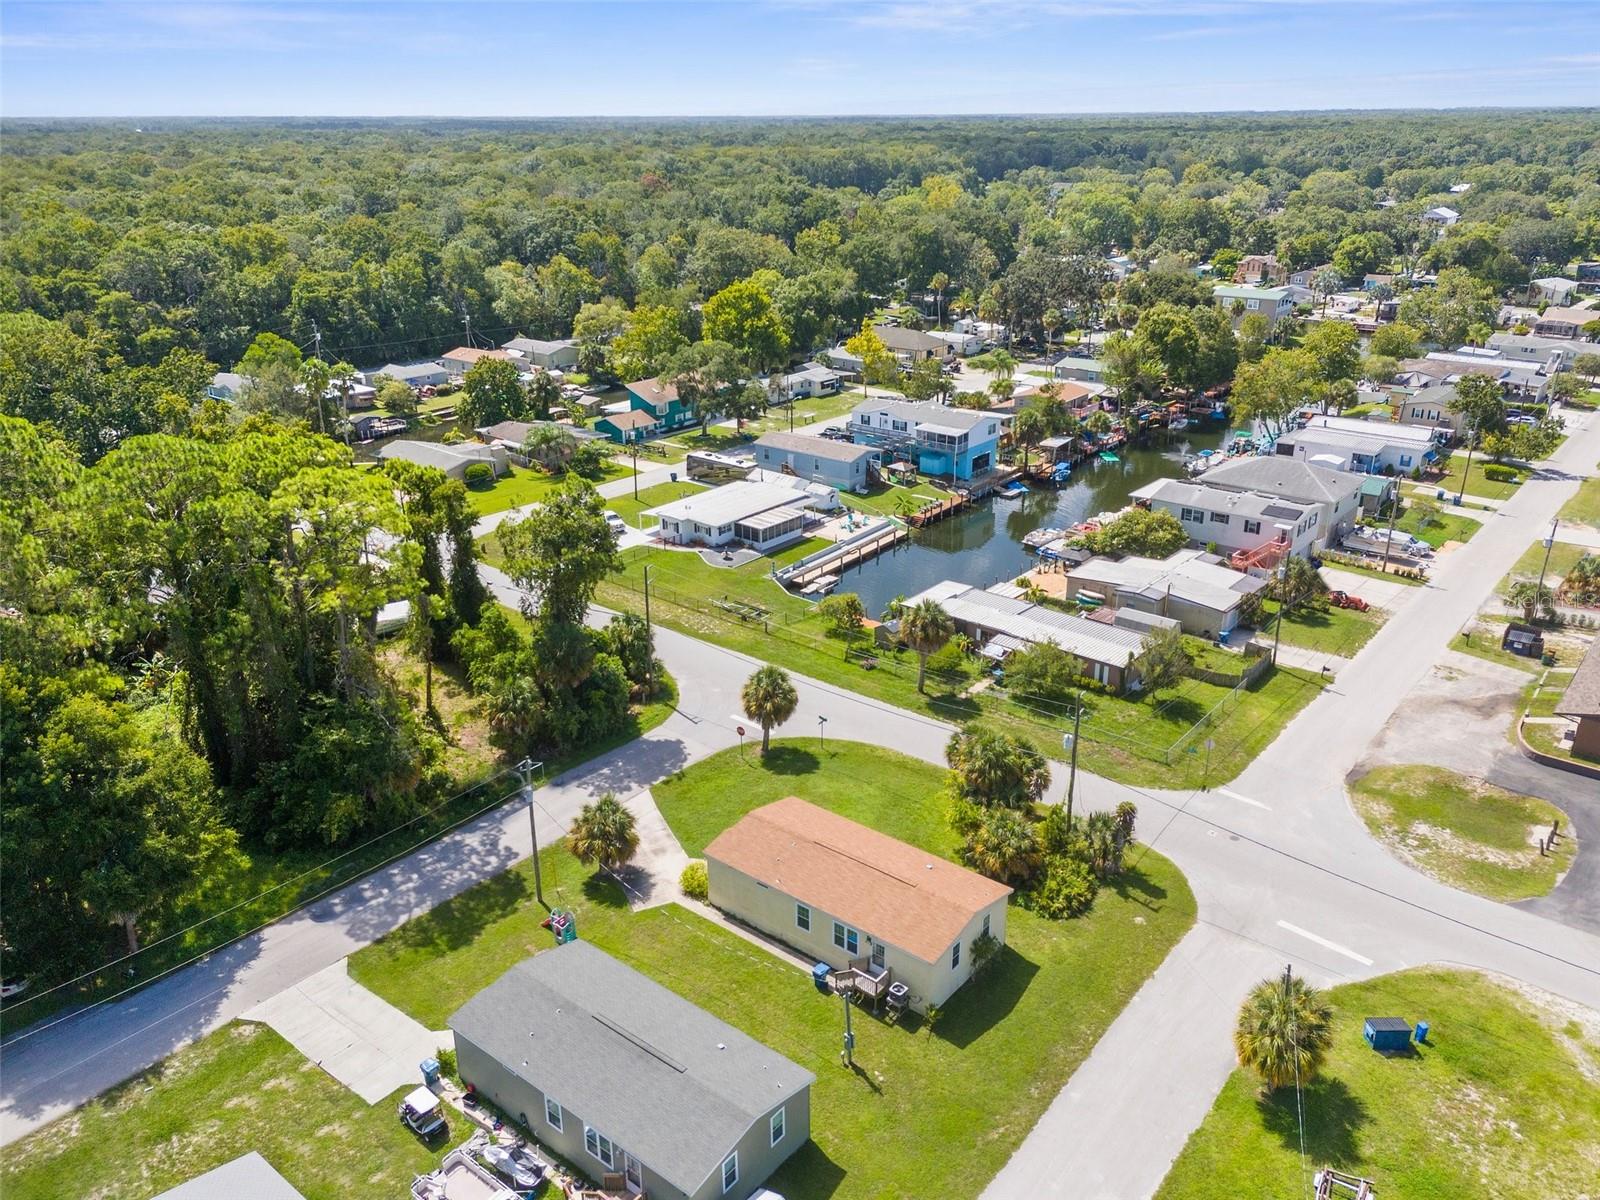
{"x":364,"y":1042}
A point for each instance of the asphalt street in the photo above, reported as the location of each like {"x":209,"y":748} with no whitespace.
{"x":1283,"y":870}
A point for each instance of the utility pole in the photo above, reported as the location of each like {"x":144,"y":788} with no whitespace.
{"x":1072,"y":776}
{"x":650,"y":639}
{"x":1462,"y":490}
{"x":316,"y":353}
{"x":1283,"y":606}
{"x":466,"y":318}
{"x":1538,"y":591}
{"x":525,"y":769}
{"x":822,"y":723}
{"x":1394,"y":510}
{"x":635,"y":444}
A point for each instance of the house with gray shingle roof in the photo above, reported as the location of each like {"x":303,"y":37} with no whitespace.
{"x":628,"y":1079}
{"x":248,"y":1177}
{"x":1581,"y":701}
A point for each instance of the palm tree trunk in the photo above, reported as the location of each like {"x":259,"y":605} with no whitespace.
{"x":130,"y":926}
{"x":922,"y":670}
{"x":766,"y":738}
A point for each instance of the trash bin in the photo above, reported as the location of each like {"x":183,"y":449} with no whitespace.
{"x":674,"y":475}
{"x":1441,"y":494}
{"x":1422,"y":1031}
{"x":430,"y":1072}
{"x":819,"y":976}
{"x":1222,"y":638}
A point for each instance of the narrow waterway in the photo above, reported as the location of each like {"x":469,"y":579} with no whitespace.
{"x":983,"y":545}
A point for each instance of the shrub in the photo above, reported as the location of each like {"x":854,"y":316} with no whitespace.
{"x":693,"y":881}
{"x":479,"y":475}
{"x":447,"y":1064}
{"x":949,"y":659}
{"x":1068,"y":889}
{"x":1498,"y":473}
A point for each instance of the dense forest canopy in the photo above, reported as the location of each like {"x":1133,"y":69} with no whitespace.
{"x":188,"y":589}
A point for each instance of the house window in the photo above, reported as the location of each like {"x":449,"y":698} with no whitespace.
{"x":1252,"y":305}
{"x":845,"y":938}
{"x":730,"y":1172}
{"x":864,"y":418}
{"x":1252,"y":526}
{"x":1193,"y":514}
{"x":985,"y":924}
{"x":802,"y":917}
{"x":599,"y":1146}
{"x":1405,"y":460}
{"x":552,"y":1112}
{"x":955,"y":956}
{"x":898,"y":426}
{"x":776,"y":1127}
{"x":1219,"y":518}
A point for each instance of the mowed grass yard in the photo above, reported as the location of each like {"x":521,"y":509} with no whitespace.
{"x":1125,"y":738}
{"x":1584,"y":508}
{"x":526,"y":485}
{"x":934,"y":1110}
{"x":1478,"y":484}
{"x":239,"y":1089}
{"x":1330,"y":630}
{"x":1504,"y":1101}
{"x":1464,"y":832}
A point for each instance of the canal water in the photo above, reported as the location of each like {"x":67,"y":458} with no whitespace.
{"x":983,"y":545}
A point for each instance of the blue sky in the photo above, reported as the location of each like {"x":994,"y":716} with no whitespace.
{"x":664,"y":57}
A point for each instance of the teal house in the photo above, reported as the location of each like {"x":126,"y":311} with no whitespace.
{"x":660,"y":400}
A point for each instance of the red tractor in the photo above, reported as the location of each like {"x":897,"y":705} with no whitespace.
{"x":1346,"y":600}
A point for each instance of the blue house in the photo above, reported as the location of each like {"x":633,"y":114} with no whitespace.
{"x":936,"y":438}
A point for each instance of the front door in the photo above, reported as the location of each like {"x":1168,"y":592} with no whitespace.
{"x":632,"y":1174}
{"x":877,"y":955}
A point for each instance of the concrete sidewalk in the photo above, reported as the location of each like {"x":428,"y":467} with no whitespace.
{"x":363,"y":1041}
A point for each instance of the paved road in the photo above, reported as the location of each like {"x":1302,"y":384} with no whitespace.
{"x":1283,"y":871}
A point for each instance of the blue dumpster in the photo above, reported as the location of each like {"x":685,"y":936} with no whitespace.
{"x":430,"y":1072}
{"x":819,"y":976}
{"x":1387,"y":1034}
{"x":1422,"y":1032}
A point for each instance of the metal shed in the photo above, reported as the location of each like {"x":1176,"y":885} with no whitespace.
{"x":1387,"y":1033}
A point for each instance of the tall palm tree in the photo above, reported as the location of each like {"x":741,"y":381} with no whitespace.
{"x":769,"y":699}
{"x":996,"y":770}
{"x":925,"y":627}
{"x":1285,"y":1028}
{"x":938,"y":283}
{"x":1004,"y":847}
{"x":1028,"y":427}
{"x":604,"y":833}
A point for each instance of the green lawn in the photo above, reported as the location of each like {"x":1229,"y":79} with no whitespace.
{"x":1355,"y":568}
{"x":630,"y":509}
{"x":523,"y":485}
{"x":891,"y":500}
{"x":240,"y":1089}
{"x":1547,"y":739}
{"x":1124,"y":737}
{"x":806,"y":412}
{"x":1437,"y":524}
{"x":1504,"y":1101}
{"x":1563,"y":557}
{"x":1584,"y":508}
{"x":933,"y":1110}
{"x":1338,"y":631}
{"x":1464,"y":832}
{"x":1477,"y":483}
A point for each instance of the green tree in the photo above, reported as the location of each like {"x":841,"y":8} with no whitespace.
{"x":878,"y":364}
{"x":396,"y":398}
{"x":491,"y":393}
{"x":1481,"y":403}
{"x":551,"y":446}
{"x":1004,"y":847}
{"x":1254,"y":330}
{"x":939,"y":283}
{"x":742,"y":316}
{"x":1448,"y":310}
{"x":1396,"y":340}
{"x":925,"y":627}
{"x":1275,"y":388}
{"x":1532,"y":599}
{"x":560,"y":552}
{"x":604,"y":833}
{"x":1284,"y":1032}
{"x":1043,"y":671}
{"x":1335,"y":350}
{"x":994,"y":769}
{"x":769,"y":699}
{"x":1028,"y":429}
{"x":1142,"y":531}
{"x":1587,"y":365}
{"x":653,"y":335}
{"x":541,"y":394}
{"x":1164,"y":661}
{"x":844,"y":613}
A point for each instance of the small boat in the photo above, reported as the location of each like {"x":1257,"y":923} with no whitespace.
{"x":820,"y":586}
{"x":1012,"y":490}
{"x":1107,"y":457}
{"x":1178,"y":423}
{"x":518,"y":1165}
{"x":1062,"y":472}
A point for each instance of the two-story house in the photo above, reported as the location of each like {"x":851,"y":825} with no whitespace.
{"x":659,"y":400}
{"x":938,"y":439}
{"x":1238,"y":300}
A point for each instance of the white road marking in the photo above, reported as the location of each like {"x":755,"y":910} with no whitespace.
{"x":1322,"y":941}
{"x":1243,"y":799}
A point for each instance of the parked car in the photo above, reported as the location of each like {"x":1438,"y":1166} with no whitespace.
{"x":616,"y":524}
{"x":421,"y":1112}
{"x":14,"y":986}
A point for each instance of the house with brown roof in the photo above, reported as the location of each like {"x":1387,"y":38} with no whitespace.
{"x":1581,"y":702}
{"x":852,"y":897}
{"x":462,"y":359}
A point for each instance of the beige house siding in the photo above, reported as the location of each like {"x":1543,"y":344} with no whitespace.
{"x":773,"y":912}
{"x":525,"y":1104}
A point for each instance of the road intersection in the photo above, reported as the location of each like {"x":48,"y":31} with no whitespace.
{"x":1283,"y":871}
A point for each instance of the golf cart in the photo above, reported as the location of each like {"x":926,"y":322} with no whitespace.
{"x":421,"y":1113}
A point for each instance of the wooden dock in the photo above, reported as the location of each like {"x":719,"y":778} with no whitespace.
{"x":849,"y":556}
{"x":938,"y":510}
